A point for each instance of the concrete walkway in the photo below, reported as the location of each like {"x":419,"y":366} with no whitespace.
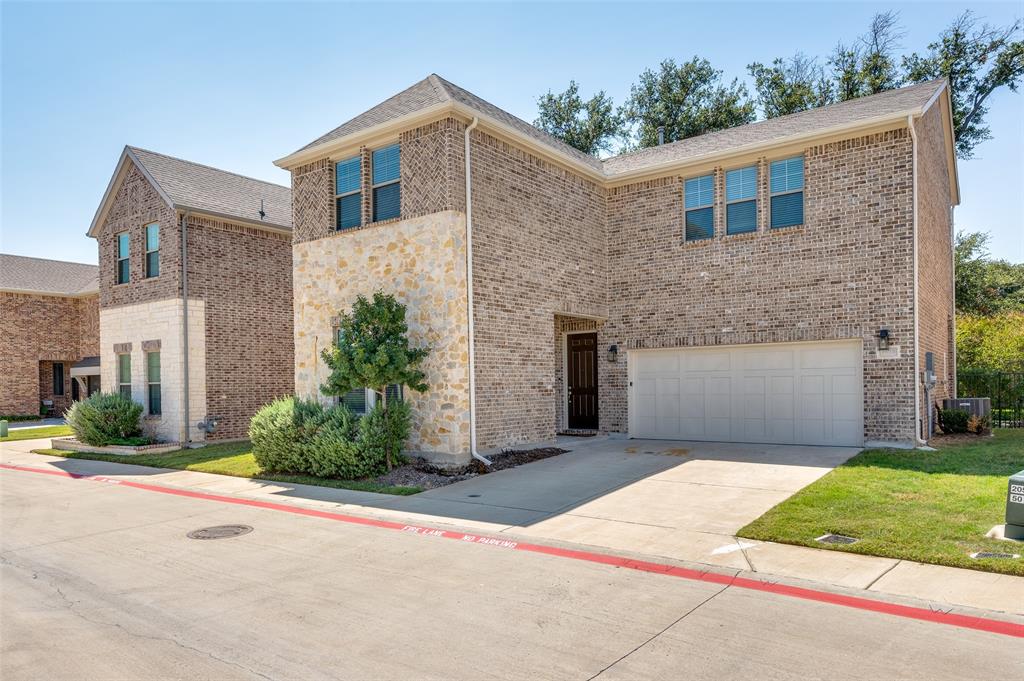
{"x":670,"y":500}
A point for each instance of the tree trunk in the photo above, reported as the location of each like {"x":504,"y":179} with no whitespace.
{"x":387,"y":429}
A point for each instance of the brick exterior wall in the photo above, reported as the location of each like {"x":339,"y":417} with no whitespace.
{"x":37,"y":331}
{"x":934,"y":259}
{"x":555,"y":252}
{"x":539,"y":250}
{"x":243,"y":275}
{"x":844,"y":274}
{"x":135,"y":205}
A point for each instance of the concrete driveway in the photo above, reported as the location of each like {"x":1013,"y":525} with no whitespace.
{"x":682,"y":500}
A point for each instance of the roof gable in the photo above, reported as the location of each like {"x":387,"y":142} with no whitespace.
{"x":189,"y":186}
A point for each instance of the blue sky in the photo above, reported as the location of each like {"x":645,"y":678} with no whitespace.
{"x":236,"y":85}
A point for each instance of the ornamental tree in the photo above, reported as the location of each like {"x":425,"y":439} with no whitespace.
{"x":372,"y":351}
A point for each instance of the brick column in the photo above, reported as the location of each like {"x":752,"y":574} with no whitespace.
{"x":366,"y":184}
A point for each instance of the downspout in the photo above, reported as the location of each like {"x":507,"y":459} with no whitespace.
{"x":952,"y":312}
{"x":469,"y":298}
{"x":918,"y":425}
{"x":187,"y":439}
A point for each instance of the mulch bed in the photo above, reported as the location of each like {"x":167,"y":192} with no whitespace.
{"x":419,"y":473}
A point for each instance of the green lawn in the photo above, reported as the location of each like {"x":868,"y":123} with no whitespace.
{"x":34,"y":433}
{"x":233,"y":458}
{"x":930,"y":507}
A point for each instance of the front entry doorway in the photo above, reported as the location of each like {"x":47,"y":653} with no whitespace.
{"x":581,"y":350}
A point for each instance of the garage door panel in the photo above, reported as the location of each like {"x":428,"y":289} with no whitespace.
{"x":705,"y":361}
{"x":808,"y":393}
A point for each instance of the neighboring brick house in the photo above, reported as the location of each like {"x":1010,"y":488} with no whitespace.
{"x":239,"y":294}
{"x":49,"y":334}
{"x":782,"y":281}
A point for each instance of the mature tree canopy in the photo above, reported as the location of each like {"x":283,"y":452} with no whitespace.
{"x":791,"y":85}
{"x":589,"y":125}
{"x":977,"y":60}
{"x":985,"y":286}
{"x":687,"y":99}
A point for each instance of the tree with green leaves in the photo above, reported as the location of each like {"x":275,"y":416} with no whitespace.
{"x":590,"y":126}
{"x":791,"y":85}
{"x":879,"y":70}
{"x":977,"y":60}
{"x":984,"y":286}
{"x":372,"y":350}
{"x":688,"y":99}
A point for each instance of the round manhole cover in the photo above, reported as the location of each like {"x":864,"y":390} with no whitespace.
{"x":220,"y":532}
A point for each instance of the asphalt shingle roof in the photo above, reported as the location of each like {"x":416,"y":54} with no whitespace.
{"x":776,"y":129}
{"x":202,"y":188}
{"x":434,"y":90}
{"x":22,"y":273}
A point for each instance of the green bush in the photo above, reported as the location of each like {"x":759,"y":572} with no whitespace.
{"x":954,"y":420}
{"x":104,"y":419}
{"x":299,"y":436}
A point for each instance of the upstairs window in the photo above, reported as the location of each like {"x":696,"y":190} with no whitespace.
{"x":700,"y":209}
{"x":124,"y":375}
{"x":741,"y":200}
{"x":787,"y":192}
{"x":153,"y":382}
{"x":152,"y":250}
{"x":348,"y":197}
{"x":122,"y":258}
{"x":387,"y":197}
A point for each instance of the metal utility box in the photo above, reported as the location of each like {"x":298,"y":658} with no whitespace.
{"x":976,"y":406}
{"x":1015,"y":507}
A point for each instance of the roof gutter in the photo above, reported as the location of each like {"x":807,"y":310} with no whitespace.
{"x":469,"y":299}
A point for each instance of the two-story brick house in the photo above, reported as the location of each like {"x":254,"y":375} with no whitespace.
{"x":210,"y":318}
{"x":787,"y":281}
{"x":49,"y":334}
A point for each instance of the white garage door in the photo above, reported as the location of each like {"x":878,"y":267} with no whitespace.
{"x":793,"y":393}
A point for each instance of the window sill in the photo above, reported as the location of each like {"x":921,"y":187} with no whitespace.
{"x":695,"y":243}
{"x":153,"y":417}
{"x":741,"y":235}
{"x":790,"y":229}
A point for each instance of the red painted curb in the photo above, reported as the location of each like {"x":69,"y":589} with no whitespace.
{"x":856,"y":602}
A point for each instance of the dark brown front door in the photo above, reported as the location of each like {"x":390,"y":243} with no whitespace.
{"x":582,"y":380}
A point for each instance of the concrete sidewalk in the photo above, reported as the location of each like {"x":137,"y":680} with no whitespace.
{"x":592,"y":522}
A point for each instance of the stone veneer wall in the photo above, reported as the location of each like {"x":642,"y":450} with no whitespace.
{"x":38,"y":330}
{"x":844,"y":274}
{"x":934,"y":258}
{"x":135,"y":328}
{"x":422,"y":261}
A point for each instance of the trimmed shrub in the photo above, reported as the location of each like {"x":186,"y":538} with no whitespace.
{"x":954,"y":420}
{"x":299,"y":436}
{"x":379,"y":428}
{"x":105,"y":419}
{"x":331,"y":451}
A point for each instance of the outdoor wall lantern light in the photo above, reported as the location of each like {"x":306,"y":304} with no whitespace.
{"x":883,"y":339}
{"x":613,"y":353}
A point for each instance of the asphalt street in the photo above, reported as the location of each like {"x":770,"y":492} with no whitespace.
{"x":100,"y":581}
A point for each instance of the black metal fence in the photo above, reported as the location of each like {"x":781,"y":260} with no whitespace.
{"x":1005,"y":388}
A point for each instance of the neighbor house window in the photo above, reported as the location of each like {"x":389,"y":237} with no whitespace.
{"x":58,"y":378}
{"x":348,"y":198}
{"x":122,"y":258}
{"x":787,"y":192}
{"x":741,"y":200}
{"x":387,"y":196}
{"x":153,"y":382}
{"x":124,"y":375}
{"x":152,"y":250}
{"x":700,"y":210}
